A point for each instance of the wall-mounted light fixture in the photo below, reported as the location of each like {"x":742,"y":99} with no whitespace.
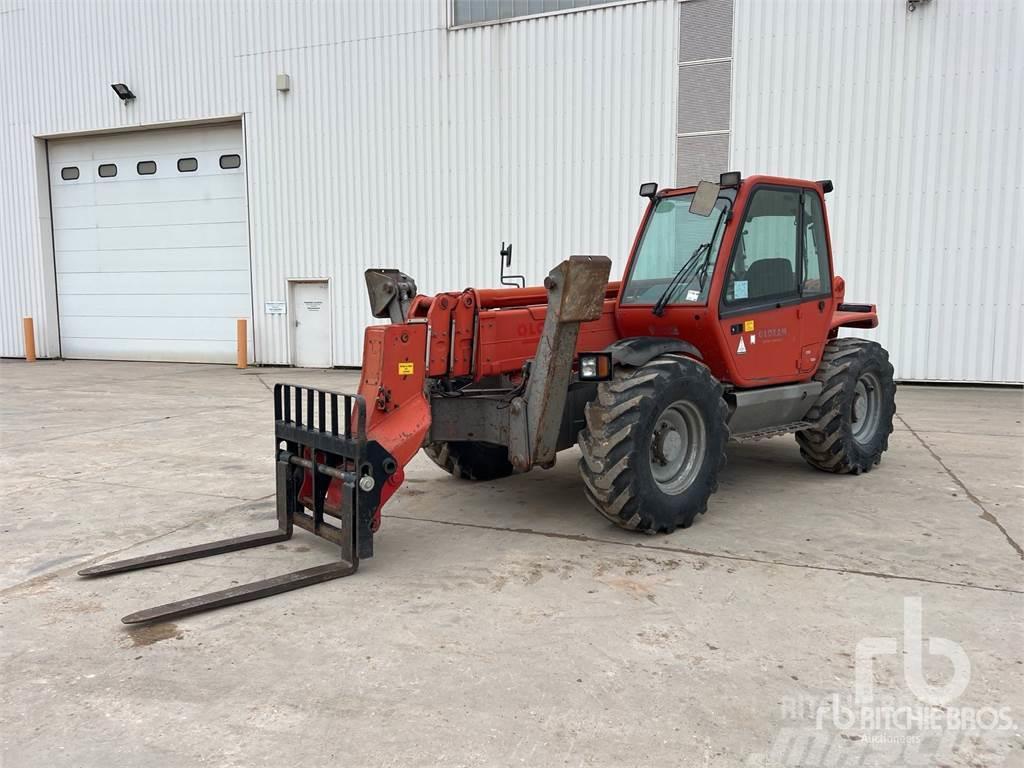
{"x":284,"y":83}
{"x":913,"y":4}
{"x":123,"y":92}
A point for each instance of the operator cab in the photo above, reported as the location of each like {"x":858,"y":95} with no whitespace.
{"x":741,"y":269}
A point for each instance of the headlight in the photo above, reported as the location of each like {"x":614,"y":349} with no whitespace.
{"x":595,"y":366}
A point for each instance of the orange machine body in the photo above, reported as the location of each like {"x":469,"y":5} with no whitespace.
{"x":479,"y":334}
{"x":483,"y":333}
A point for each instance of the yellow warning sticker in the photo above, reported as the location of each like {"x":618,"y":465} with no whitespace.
{"x":748,"y":326}
{"x":406,"y":369}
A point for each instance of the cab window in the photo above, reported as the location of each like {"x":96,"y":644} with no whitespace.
{"x":764,"y":264}
{"x":679,"y":249}
{"x":816,"y":276}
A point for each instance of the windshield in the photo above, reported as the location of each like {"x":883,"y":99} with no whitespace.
{"x":672,"y":237}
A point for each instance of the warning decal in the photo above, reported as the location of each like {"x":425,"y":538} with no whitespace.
{"x":748,"y":326}
{"x":406,"y":369}
{"x":742,"y":348}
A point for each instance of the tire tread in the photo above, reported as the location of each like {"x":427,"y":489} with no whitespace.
{"x":829,"y":445}
{"x":610,"y":443}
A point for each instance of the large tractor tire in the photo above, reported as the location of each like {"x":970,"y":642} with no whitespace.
{"x":853,"y":414}
{"x":654,"y":444}
{"x":470,"y":460}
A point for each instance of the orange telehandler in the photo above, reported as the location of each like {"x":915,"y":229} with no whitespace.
{"x":725,"y":324}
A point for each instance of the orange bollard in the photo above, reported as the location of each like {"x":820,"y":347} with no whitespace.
{"x":30,"y":340}
{"x":243,"y":345}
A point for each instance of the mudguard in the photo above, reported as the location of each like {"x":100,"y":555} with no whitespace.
{"x":638,"y":350}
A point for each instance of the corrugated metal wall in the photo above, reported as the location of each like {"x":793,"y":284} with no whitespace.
{"x":405,"y":144}
{"x":919,"y":119}
{"x":400,"y":144}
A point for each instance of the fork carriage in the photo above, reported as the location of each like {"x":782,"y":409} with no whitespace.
{"x":329,"y":481}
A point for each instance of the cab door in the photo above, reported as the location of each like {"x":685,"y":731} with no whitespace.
{"x":760,"y":310}
{"x":815,"y":281}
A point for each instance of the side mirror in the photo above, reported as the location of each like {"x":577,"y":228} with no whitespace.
{"x":704,"y":199}
{"x":649,"y":189}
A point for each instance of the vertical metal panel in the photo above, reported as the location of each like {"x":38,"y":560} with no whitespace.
{"x":401,"y":143}
{"x":918,"y":119}
{"x":704,"y":97}
{"x":701,"y":157}
{"x":705,"y":30}
{"x":705,"y":88}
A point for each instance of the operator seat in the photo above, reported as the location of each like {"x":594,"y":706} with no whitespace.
{"x":768,"y":277}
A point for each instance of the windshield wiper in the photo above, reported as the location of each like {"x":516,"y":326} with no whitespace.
{"x":677,"y":279}
{"x":702,"y":275}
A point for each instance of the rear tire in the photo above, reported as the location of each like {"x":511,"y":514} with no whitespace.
{"x":853,"y":414}
{"x":654,"y":444}
{"x":470,"y":460}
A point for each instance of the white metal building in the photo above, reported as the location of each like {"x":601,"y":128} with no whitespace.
{"x":274,"y":150}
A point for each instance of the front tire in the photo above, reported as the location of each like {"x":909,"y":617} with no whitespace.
{"x":654,"y":444}
{"x":853,"y":414}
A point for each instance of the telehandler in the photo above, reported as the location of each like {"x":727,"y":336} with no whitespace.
{"x":725,"y":324}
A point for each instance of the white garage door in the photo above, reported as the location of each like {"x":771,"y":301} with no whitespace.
{"x":151,"y":244}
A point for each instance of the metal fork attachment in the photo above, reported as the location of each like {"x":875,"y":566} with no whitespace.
{"x":325,"y":466}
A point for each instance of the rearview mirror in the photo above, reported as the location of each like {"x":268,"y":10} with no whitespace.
{"x":704,"y":199}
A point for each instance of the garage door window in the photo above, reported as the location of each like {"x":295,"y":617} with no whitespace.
{"x":107,"y":170}
{"x":146,"y":168}
{"x":69,"y":174}
{"x":187,"y":164}
{"x":229,"y":162}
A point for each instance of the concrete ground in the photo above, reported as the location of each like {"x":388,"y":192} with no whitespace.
{"x":500,"y":623}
